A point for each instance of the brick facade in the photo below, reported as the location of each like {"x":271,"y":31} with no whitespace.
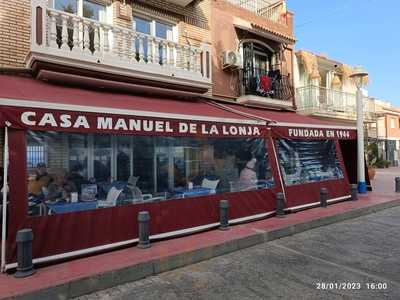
{"x":224,"y":36}
{"x":14,"y":32}
{"x":192,"y":22}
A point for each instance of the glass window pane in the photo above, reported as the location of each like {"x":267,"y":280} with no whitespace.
{"x":143,"y":163}
{"x":123,"y":158}
{"x":70,"y":6}
{"x":102,"y":158}
{"x":94,"y":11}
{"x":308,"y":161}
{"x":69,"y":172}
{"x":163,"y":31}
{"x":142,"y":25}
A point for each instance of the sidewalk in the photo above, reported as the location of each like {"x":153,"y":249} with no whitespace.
{"x":86,"y":275}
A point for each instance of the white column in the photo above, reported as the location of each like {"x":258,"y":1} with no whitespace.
{"x":156,"y":57}
{"x":106,"y":42}
{"x":76,"y":48}
{"x":96,"y":39}
{"x":86,"y":39}
{"x":53,"y":31}
{"x":141,"y":49}
{"x":64,"y":33}
{"x":362,"y":187}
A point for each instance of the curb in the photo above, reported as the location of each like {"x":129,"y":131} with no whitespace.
{"x":113,"y":278}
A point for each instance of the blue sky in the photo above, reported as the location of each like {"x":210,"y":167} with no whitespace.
{"x":356,"y":32}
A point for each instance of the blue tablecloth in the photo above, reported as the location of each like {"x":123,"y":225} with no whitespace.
{"x":67,"y":207}
{"x":194,"y":192}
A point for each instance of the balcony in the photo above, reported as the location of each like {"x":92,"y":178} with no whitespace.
{"x":328,"y":103}
{"x":274,"y":11}
{"x":274,"y":90}
{"x":67,"y":42}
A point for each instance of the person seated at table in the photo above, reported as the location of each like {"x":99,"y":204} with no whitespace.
{"x":60,"y":188}
{"x":226,"y":169}
{"x":248,"y":175}
{"x":76,"y":177}
{"x":40,"y":180}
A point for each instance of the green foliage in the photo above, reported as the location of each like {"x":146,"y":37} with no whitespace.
{"x":373,"y":158}
{"x":68,"y":8}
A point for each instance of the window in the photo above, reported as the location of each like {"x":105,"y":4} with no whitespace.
{"x":89,"y":171}
{"x":69,"y":6}
{"x":261,"y":75}
{"x":308,"y":161}
{"x":392,"y":123}
{"x":36,"y":153}
{"x":94,"y":11}
{"x":85,"y":8}
{"x":153,"y":28}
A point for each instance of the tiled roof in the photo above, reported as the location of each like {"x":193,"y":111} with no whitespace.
{"x":274,"y":32}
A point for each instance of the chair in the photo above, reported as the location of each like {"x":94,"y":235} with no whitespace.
{"x":111,"y":199}
{"x":210,"y":184}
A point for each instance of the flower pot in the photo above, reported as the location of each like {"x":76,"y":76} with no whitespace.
{"x":371,"y":173}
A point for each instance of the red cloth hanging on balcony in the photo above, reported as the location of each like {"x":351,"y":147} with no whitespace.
{"x":265,"y":83}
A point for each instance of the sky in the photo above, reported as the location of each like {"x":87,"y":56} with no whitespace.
{"x":355,"y":32}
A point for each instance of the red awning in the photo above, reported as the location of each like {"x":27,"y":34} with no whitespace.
{"x":28,"y":92}
{"x":295,"y":125}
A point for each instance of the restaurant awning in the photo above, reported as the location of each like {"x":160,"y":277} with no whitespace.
{"x":35,"y":93}
{"x":294,"y":125}
{"x":34,"y":104}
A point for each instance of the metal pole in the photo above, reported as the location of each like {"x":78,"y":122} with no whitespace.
{"x":323,"y":197}
{"x":397,"y":184}
{"x":362,"y":186}
{"x":24,"y":254}
{"x":278,"y":168}
{"x":280,"y":205}
{"x":144,"y":230}
{"x":224,"y":215}
{"x":4,"y":211}
{"x":354,"y":192}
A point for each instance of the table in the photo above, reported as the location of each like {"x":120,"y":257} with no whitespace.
{"x":194,"y":192}
{"x":67,"y":207}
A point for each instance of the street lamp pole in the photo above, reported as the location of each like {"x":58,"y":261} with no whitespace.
{"x":358,"y":76}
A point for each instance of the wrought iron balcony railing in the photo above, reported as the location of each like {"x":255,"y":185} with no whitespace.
{"x":272,"y":85}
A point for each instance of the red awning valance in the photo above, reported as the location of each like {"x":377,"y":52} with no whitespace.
{"x":294,"y":125}
{"x":30,"y":103}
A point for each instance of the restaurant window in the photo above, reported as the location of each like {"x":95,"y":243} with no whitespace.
{"x":92,"y":171}
{"x":307,"y":161}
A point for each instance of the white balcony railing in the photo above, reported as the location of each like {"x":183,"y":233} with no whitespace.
{"x":331,"y":103}
{"x":272,"y":10}
{"x":69,"y":36}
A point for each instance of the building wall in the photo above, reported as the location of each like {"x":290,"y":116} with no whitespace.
{"x":192,"y":23}
{"x":393,"y":133}
{"x":14,"y":32}
{"x":224,"y":36}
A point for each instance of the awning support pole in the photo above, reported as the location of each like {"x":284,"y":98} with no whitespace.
{"x":278,"y":167}
{"x":4,"y":211}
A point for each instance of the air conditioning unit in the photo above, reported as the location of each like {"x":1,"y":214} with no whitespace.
{"x":231,"y":60}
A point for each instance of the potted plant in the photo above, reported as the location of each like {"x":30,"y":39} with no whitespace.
{"x":372,"y":159}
